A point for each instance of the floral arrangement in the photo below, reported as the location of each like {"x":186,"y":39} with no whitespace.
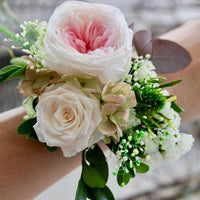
{"x":83,"y":85}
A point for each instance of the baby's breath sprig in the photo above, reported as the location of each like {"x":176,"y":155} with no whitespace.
{"x":128,"y":151}
{"x":30,"y":40}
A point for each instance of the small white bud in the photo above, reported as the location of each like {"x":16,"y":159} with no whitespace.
{"x":135,"y":151}
{"x":123,"y":141}
{"x":126,"y":170}
{"x":26,"y":51}
{"x":141,"y":142}
{"x":22,"y":26}
{"x":118,"y":153}
{"x":147,"y":158}
{"x":148,"y":56}
{"x":130,"y":146}
{"x":26,"y":117}
{"x":25,"y":44}
{"x":125,"y":158}
{"x":32,"y":67}
{"x":141,"y":57}
{"x":23,"y":34}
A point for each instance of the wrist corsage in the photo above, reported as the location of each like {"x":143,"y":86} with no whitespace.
{"x":83,"y":85}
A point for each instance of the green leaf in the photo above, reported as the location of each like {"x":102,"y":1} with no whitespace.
{"x":102,"y":194}
{"x":138,"y":93}
{"x":123,"y":178}
{"x":167,"y":120}
{"x":176,"y":108}
{"x":7,"y":71}
{"x":12,"y":35}
{"x":7,"y":32}
{"x":17,"y":74}
{"x":132,"y":173}
{"x":142,"y":168}
{"x":81,"y":192}
{"x":95,"y":171}
{"x":171,"y":84}
{"x":26,"y":128}
{"x":51,"y":149}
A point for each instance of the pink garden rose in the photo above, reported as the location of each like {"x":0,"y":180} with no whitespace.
{"x":88,"y":39}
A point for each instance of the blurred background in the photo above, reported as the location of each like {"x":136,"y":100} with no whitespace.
{"x":177,"y":180}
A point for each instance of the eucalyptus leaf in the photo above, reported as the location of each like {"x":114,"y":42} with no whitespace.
{"x":95,"y":168}
{"x":168,"y":56}
{"x":142,"y":42}
{"x":142,"y":168}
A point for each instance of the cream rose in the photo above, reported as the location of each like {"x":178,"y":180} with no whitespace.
{"x":67,"y":118}
{"x":88,"y":39}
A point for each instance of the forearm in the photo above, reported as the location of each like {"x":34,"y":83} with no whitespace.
{"x":188,"y":91}
{"x":26,"y":166}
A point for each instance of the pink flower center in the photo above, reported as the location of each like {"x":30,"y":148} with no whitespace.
{"x":86,"y":37}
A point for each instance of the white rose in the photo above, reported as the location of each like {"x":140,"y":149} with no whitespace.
{"x":88,"y":39}
{"x":67,"y":118}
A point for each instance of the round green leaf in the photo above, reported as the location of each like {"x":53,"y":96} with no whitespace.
{"x":102,"y":194}
{"x":95,"y":171}
{"x":123,"y":178}
{"x":142,"y":168}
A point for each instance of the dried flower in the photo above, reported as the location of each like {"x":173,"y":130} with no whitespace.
{"x":37,"y":79}
{"x":118,"y":99}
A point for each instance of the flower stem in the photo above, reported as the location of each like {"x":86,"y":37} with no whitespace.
{"x":9,"y":11}
{"x":7,"y":32}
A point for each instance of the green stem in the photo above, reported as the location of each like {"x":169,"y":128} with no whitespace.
{"x":7,"y":8}
{"x":17,"y":40}
{"x":7,"y":32}
{"x":167,"y":120}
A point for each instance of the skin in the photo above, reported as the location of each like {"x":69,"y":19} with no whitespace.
{"x":188,"y":91}
{"x":27,"y":168}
